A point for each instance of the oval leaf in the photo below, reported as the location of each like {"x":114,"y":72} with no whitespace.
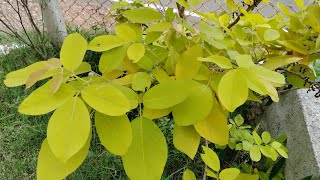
{"x":211,"y":158}
{"x":136,"y":52}
{"x":69,"y":129}
{"x":72,"y":51}
{"x":186,"y":139}
{"x":115,"y":132}
{"x":195,"y":107}
{"x":214,"y":127}
{"x":111,"y":59}
{"x":42,"y":100}
{"x":229,"y":174}
{"x":233,"y":90}
{"x":105,"y":43}
{"x":143,"y":15}
{"x":106,"y":99}
{"x":166,"y":94}
{"x":147,"y":154}
{"x":188,"y":175}
{"x":51,"y":168}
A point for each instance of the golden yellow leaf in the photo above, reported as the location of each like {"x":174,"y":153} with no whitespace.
{"x":35,"y":77}
{"x":155,"y":113}
{"x":105,"y":43}
{"x":111,"y":59}
{"x":115,"y":132}
{"x":188,"y":175}
{"x":69,"y":129}
{"x":210,"y":158}
{"x":72,"y":52}
{"x":136,"y":52}
{"x":229,"y":174}
{"x":186,"y":139}
{"x":141,"y":81}
{"x":42,"y":100}
{"x":214,"y":127}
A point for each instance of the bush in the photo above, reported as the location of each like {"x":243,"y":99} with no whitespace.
{"x":150,"y":69}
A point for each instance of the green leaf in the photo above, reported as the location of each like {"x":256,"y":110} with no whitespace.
{"x":143,"y":15}
{"x":106,"y":99}
{"x":269,"y":75}
{"x":83,"y":68}
{"x":279,"y":61}
{"x":243,"y":176}
{"x":299,"y":3}
{"x":211,"y":31}
{"x":266,"y":137}
{"x":159,"y":27}
{"x":130,"y":94}
{"x":147,"y":154}
{"x":186,"y":139}
{"x":105,"y":43}
{"x":255,"y":153}
{"x":244,"y":60}
{"x":195,"y":107}
{"x":214,"y":127}
{"x":233,"y":90}
{"x":304,"y":71}
{"x":221,"y":61}
{"x":169,"y":15}
{"x":210,"y":173}
{"x":282,"y":153}
{"x":166,"y":94}
{"x":129,"y":32}
{"x":254,"y":82}
{"x":271,"y":35}
{"x":313,"y":12}
{"x":115,"y":132}
{"x":72,"y":51}
{"x":295,"y":46}
{"x":152,"y":37}
{"x":188,"y":66}
{"x":136,"y":52}
{"x":69,"y":129}
{"x":43,"y":100}
{"x":183,"y":3}
{"x":276,"y":144}
{"x":210,"y":158}
{"x":111,"y":59}
{"x":155,"y":113}
{"x":229,"y":174}
{"x":189,"y":175}
{"x":239,"y":120}
{"x":160,"y":75}
{"x":20,"y":77}
{"x":141,"y":81}
{"x":51,"y":168}
{"x":257,"y":138}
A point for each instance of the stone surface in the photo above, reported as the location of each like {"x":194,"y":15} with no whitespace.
{"x":298,"y":116}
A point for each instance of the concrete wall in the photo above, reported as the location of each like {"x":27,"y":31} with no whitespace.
{"x":298,"y":116}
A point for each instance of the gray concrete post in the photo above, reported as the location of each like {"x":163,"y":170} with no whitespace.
{"x":298,"y":116}
{"x":54,"y":21}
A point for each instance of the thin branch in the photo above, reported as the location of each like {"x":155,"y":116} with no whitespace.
{"x":250,"y":8}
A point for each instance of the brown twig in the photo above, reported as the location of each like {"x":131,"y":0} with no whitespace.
{"x":250,"y":8}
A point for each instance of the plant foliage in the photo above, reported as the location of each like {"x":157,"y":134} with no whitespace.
{"x":155,"y":69}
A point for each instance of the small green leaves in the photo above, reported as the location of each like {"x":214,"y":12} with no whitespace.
{"x":147,"y":154}
{"x":106,"y":99}
{"x":186,"y":139}
{"x":143,"y":15}
{"x":271,"y":35}
{"x":42,"y":100}
{"x":233,"y":90}
{"x":141,"y":81}
{"x":69,"y":129}
{"x":72,"y":51}
{"x":255,"y":153}
{"x":266,"y":137}
{"x":166,"y":94}
{"x":115,"y":132}
{"x":257,"y":138}
{"x":210,"y":158}
{"x":221,"y":61}
{"x":136,"y":52}
{"x":105,"y":43}
{"x":188,"y":175}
